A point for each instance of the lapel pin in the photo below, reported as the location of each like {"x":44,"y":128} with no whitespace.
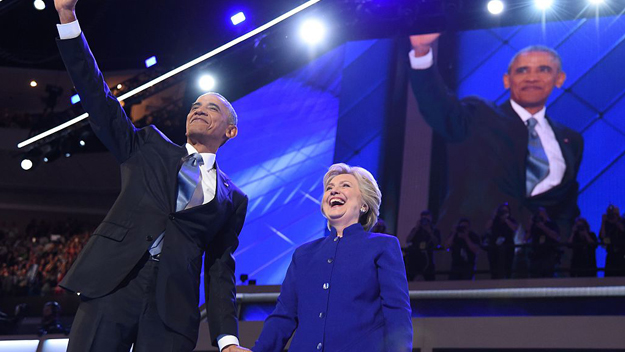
{"x":566,"y":140}
{"x":226,"y":184}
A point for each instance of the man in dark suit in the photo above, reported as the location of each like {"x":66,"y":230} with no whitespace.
{"x":139,"y":274}
{"x":508,"y":153}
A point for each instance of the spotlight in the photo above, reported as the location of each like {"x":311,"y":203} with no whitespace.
{"x":237,"y":18}
{"x":33,"y":83}
{"x":50,"y":153}
{"x":495,"y":7}
{"x":120,"y":86}
{"x":312,"y":31}
{"x":26,"y":164}
{"x":75,"y":99}
{"x":543,"y":4}
{"x":39,"y":5}
{"x":596,"y":2}
{"x":30,"y":159}
{"x":206,"y":83}
{"x":151,"y":61}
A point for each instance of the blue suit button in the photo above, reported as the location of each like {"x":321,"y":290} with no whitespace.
{"x":321,"y":315}
{"x":319,"y":346}
{"x":330,"y":260}
{"x":326,"y":286}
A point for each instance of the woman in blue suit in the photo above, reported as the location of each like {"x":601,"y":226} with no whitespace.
{"x":348,"y":291}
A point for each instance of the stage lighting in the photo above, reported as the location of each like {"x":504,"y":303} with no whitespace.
{"x":75,"y":98}
{"x":151,"y":61}
{"x":206,"y":83}
{"x":495,"y":7}
{"x":237,"y":18}
{"x":312,"y":31}
{"x":119,"y":86}
{"x":543,"y":4}
{"x":33,"y":83}
{"x":596,"y":2}
{"x":26,"y":164}
{"x":39,"y":5}
{"x":50,"y":153}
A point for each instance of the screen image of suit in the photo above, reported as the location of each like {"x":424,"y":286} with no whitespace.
{"x":146,"y":207}
{"x":342,"y":294}
{"x":487,"y":148}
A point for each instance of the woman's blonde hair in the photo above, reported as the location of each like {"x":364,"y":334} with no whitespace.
{"x":369,"y":190}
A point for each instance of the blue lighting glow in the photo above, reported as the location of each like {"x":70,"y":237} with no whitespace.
{"x":55,"y":345}
{"x":19,"y":345}
{"x":151,"y":61}
{"x":237,"y":18}
{"x":75,"y":98}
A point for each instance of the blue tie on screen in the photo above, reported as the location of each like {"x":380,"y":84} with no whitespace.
{"x":188,"y":181}
{"x":537,"y":162}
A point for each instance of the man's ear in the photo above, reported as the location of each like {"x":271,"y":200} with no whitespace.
{"x":232,"y":131}
{"x":560,"y":79}
{"x":506,"y":81}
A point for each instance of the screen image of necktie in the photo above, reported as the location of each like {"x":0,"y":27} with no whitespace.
{"x":537,"y":167}
{"x":188,"y":186}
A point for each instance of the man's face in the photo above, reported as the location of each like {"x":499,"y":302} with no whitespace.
{"x":208,"y":120}
{"x":531,"y":79}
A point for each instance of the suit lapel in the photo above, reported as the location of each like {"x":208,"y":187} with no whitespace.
{"x":222,"y":191}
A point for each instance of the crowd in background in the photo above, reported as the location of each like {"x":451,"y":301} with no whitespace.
{"x":35,"y":259}
{"x":538,"y":249}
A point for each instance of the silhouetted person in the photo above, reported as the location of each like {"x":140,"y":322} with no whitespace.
{"x":584,"y":243}
{"x":464,"y":245}
{"x":612,"y":234}
{"x":544,"y":237}
{"x":499,"y":242}
{"x":422,"y":241}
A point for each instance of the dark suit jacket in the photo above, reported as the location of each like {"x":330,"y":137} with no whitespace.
{"x":343,"y":295}
{"x":146,"y":207}
{"x":487,"y":151}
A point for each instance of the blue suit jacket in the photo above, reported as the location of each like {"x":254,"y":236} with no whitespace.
{"x":343,"y":294}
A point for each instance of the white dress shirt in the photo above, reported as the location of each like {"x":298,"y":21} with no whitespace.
{"x":557,"y":166}
{"x":208,"y":172}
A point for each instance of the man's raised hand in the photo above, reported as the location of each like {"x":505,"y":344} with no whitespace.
{"x":422,"y":43}
{"x":66,"y":10}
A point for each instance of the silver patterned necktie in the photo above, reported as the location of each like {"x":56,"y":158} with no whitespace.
{"x":188,"y":185}
{"x":537,"y":162}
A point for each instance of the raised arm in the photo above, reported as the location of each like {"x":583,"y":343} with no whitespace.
{"x":440,"y":108}
{"x":106,"y":116}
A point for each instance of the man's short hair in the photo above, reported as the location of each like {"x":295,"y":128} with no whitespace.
{"x":233,"y":119}
{"x":537,"y":48}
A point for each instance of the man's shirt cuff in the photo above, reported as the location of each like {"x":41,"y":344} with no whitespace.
{"x":69,"y":30}
{"x":226,"y":340}
{"x":423,"y":62}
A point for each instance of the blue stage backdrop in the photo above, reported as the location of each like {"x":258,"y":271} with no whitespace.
{"x":286,"y":142}
{"x":592,"y":100}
